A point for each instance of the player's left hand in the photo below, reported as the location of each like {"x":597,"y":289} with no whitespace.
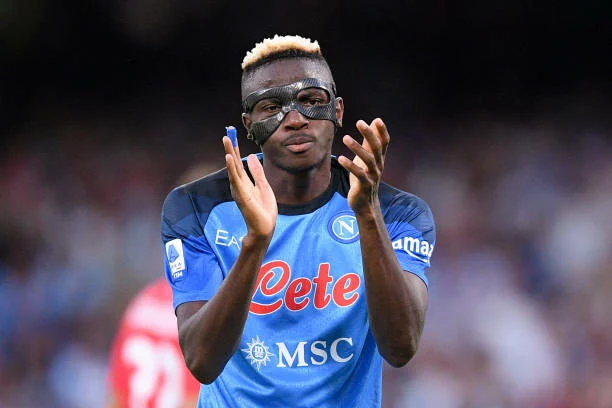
{"x":367,"y":167}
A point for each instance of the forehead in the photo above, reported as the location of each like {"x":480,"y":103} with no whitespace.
{"x":283,"y":72}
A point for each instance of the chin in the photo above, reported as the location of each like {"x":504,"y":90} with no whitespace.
{"x":301,"y":163}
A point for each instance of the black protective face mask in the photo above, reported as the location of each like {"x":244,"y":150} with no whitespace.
{"x":287,"y":95}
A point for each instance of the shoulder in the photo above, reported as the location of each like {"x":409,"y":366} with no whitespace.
{"x":396,"y":203}
{"x":393,"y":196}
{"x":392,"y":199}
{"x":198,"y":196}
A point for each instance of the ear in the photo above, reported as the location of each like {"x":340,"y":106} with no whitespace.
{"x":339,"y":110}
{"x":246,"y":121}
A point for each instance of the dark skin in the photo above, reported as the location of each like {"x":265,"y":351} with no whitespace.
{"x":295,"y":170}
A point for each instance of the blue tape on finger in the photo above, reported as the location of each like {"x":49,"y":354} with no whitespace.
{"x":230,"y":131}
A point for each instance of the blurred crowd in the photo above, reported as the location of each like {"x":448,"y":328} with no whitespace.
{"x":520,"y":280}
{"x":522,"y":273}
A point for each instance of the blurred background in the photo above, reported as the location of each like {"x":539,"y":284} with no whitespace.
{"x":500,"y":115}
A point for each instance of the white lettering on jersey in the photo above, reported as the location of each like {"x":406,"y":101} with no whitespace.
{"x":284,"y":352}
{"x":333,"y":350}
{"x":315,"y":350}
{"x":223,"y":238}
{"x":302,"y":355}
{"x":416,"y":248}
{"x":319,"y":353}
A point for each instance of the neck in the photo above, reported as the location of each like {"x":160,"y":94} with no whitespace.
{"x":292,"y":188}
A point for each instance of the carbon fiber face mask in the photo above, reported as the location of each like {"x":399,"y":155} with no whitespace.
{"x":287,"y":95}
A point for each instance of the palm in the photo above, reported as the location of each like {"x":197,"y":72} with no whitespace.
{"x":365,"y":170}
{"x":255,"y":199}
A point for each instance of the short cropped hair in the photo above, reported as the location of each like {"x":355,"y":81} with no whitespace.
{"x":279,"y":47}
{"x":282,"y":47}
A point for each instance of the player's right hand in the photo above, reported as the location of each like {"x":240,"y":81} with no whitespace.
{"x":256,"y":201}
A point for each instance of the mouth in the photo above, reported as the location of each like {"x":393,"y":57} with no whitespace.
{"x":299,"y":143}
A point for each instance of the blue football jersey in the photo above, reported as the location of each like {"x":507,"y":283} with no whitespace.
{"x":307,"y":340}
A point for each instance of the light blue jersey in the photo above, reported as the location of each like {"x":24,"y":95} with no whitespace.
{"x":307,"y":341}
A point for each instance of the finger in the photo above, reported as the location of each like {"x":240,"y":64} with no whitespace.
{"x":239,"y":180}
{"x":370,"y":134}
{"x":231,"y":168}
{"x":383,"y":132}
{"x":257,"y":171}
{"x":229,"y":157}
{"x":230,"y":149}
{"x":361,"y":151}
{"x":235,"y":153}
{"x":377,"y":142}
{"x":227,"y":145}
{"x":230,"y":131}
{"x":353,"y":168}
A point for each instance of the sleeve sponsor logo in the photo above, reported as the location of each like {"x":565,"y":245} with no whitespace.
{"x":416,"y":248}
{"x":176,"y":258}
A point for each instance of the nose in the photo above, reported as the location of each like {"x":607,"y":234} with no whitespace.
{"x":295,"y":120}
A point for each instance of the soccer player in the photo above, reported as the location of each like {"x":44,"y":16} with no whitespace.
{"x":295,"y":272}
{"x":146,"y":367}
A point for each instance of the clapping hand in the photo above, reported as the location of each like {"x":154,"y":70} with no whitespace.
{"x":367,"y":167}
{"x":255,"y":199}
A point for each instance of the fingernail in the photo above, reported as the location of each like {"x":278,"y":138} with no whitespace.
{"x":230,"y":131}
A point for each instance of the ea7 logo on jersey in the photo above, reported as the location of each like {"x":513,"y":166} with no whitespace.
{"x":416,"y":248}
{"x":176,"y":259}
{"x":224,"y":238}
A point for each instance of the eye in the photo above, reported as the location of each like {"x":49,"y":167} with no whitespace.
{"x":267,"y":106}
{"x":313,"y":97}
{"x":312,"y":101}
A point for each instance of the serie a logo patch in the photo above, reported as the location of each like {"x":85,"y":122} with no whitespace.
{"x":176,"y":258}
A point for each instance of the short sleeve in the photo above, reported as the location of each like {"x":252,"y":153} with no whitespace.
{"x":191,"y":267}
{"x":412,"y":230}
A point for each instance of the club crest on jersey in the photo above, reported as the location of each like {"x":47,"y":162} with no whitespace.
{"x":415,"y":247}
{"x":176,"y":259}
{"x":257,"y":353}
{"x":343,"y":228}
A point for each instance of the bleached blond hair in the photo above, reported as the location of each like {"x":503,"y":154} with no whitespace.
{"x":278,"y":47}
